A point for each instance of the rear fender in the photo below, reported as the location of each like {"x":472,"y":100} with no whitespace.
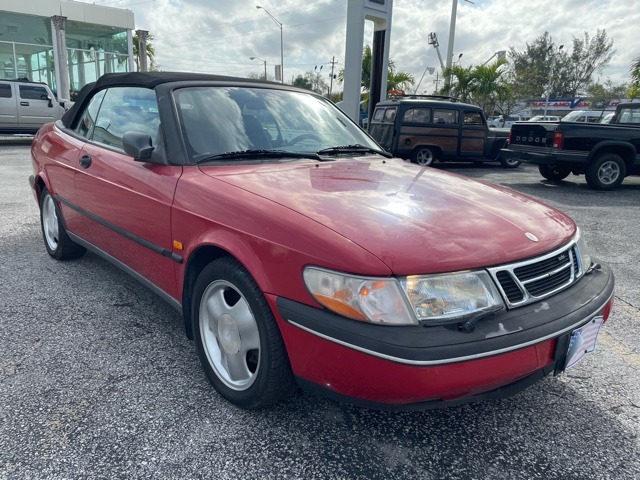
{"x":626,"y":150}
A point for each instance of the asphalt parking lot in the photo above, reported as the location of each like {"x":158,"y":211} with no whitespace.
{"x":97,"y":379}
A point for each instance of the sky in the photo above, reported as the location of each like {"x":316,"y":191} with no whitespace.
{"x":215,"y":36}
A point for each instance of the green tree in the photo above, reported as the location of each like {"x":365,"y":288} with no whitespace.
{"x":634,"y":88}
{"x":589,"y":55}
{"x":399,"y":80}
{"x":544,"y":66}
{"x":487,"y":86}
{"x":396,"y":80}
{"x":302,"y":82}
{"x":600,"y":95}
{"x":461,"y":80}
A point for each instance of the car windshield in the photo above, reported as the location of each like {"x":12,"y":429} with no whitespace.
{"x":219,"y":120}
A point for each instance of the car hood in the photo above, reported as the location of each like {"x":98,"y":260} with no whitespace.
{"x":416,"y":220}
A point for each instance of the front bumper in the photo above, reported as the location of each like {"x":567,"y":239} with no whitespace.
{"x":424,"y":366}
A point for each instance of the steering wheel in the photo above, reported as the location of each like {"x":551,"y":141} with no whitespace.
{"x":304,"y":136}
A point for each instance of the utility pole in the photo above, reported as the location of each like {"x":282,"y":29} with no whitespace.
{"x":436,"y":81}
{"x":333,"y":62}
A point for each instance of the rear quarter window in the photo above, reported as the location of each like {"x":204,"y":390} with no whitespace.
{"x":472,"y":119}
{"x":445,"y":116}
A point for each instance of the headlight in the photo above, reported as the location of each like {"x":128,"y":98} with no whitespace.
{"x":449,"y":297}
{"x":375,"y":300}
{"x":583,"y":252}
{"x":410,"y":300}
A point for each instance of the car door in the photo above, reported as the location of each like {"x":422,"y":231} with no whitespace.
{"x":127,"y":204}
{"x":472,"y":135}
{"x":35,"y":107}
{"x":447,"y":131}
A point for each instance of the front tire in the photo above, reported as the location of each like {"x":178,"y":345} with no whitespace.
{"x":424,"y":156}
{"x":554,"y":173}
{"x":237,"y":338}
{"x":56,"y":240}
{"x":606,"y":172}
{"x":509,"y":162}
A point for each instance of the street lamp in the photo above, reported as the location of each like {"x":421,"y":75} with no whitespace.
{"x":458,"y":61}
{"x":265,"y":65}
{"x":553,"y":61}
{"x":281,"y":44}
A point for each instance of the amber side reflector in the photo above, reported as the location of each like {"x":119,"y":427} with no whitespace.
{"x":178,"y":245}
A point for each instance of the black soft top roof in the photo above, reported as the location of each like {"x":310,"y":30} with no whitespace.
{"x":139,"y":79}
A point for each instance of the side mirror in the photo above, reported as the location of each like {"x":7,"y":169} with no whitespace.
{"x":47,"y":97}
{"x":137,"y":145}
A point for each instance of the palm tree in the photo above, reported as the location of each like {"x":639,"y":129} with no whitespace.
{"x":395,"y":80}
{"x":399,"y":80}
{"x":487,"y":85}
{"x":151,"y":52}
{"x":634,"y":90}
{"x":462,"y":78}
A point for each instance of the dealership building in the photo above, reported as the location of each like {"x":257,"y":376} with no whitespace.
{"x":65,"y":44}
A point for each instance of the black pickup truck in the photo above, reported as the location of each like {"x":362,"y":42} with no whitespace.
{"x":604,"y":153}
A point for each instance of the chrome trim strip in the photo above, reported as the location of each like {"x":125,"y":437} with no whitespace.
{"x":477,"y":356}
{"x":548,"y":274}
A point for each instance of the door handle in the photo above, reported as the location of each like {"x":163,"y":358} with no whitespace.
{"x":24,"y":104}
{"x":85,"y":161}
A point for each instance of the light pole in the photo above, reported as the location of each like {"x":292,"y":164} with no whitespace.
{"x":458,"y":61}
{"x":281,"y":44}
{"x":553,"y":61}
{"x":265,"y":65}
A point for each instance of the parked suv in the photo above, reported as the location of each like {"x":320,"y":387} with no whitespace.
{"x":25,"y":106}
{"x":426,"y":128}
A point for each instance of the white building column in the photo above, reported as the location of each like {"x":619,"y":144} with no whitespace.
{"x":132,"y":63}
{"x":58,"y":26}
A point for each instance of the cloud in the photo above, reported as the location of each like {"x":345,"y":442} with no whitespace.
{"x":219,"y":37}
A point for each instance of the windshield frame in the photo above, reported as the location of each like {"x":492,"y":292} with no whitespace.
{"x":262,"y":90}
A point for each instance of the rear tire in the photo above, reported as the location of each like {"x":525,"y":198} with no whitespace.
{"x":424,"y":156}
{"x":606,"y":172}
{"x":237,"y":338}
{"x":555,"y":173}
{"x":56,"y":240}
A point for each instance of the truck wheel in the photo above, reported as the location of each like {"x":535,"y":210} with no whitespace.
{"x":424,"y":156}
{"x":509,"y":162}
{"x":554,"y":173}
{"x":606,"y":172}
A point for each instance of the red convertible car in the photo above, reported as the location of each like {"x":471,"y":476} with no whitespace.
{"x":300,"y":254}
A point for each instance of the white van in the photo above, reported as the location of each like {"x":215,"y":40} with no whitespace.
{"x":542,"y":118}
{"x":26,"y":106}
{"x":501,"y":122}
{"x":587,"y":116}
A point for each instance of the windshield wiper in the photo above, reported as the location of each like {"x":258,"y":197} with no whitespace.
{"x":357,"y":148}
{"x":258,"y":153}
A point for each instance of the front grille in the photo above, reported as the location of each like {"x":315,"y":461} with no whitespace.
{"x":531,"y":280}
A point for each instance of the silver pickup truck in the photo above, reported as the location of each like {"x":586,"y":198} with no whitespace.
{"x":25,"y":106}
